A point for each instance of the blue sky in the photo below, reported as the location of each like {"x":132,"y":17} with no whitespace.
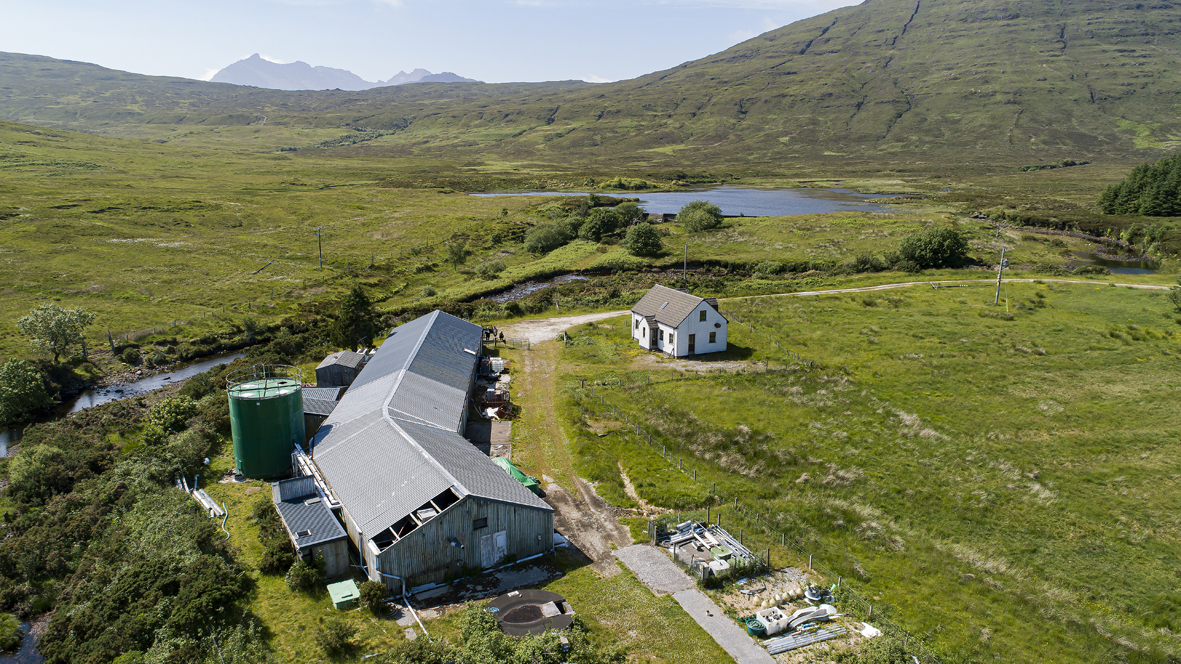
{"x":490,"y":40}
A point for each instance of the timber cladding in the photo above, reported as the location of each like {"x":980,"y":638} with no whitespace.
{"x":491,"y":532}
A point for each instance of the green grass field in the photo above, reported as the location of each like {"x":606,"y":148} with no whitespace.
{"x":1003,"y":479}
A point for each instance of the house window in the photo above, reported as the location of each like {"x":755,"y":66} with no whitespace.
{"x":662,"y":335}
{"x":482,"y":522}
{"x":713,"y":337}
{"x":670,"y":338}
{"x":702,"y":318}
{"x":637,"y":321}
{"x":644,"y":332}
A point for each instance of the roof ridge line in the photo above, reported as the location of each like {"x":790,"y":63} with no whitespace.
{"x":426,"y":455}
{"x":405,"y":368}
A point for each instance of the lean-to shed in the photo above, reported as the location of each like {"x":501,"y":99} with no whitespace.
{"x":419,"y":501}
{"x":313,"y":529}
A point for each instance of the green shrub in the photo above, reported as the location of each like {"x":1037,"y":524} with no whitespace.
{"x":372,"y":595}
{"x":156,"y":359}
{"x":10,"y":632}
{"x":278,"y":554}
{"x":429,"y":291}
{"x":131,"y":356}
{"x":769,"y":268}
{"x":490,"y":269}
{"x":544,"y":238}
{"x":935,"y":248}
{"x":600,"y":223}
{"x":305,"y":576}
{"x":699,"y":216}
{"x":335,"y":636}
{"x":22,"y":391}
{"x":172,"y":413}
{"x":423,"y":650}
{"x":643,"y":240}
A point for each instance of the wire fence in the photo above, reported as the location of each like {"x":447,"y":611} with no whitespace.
{"x":736,"y":509}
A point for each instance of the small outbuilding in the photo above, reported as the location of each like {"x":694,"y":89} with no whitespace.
{"x":314,"y":530}
{"x":340,"y":369}
{"x":677,"y":323}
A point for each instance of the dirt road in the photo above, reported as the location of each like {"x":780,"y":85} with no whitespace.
{"x":580,"y":514}
{"x":545,"y":329}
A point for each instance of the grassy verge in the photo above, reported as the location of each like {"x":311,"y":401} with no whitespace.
{"x":970,"y":466}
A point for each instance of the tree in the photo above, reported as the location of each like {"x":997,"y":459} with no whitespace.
{"x":699,"y":216}
{"x":934,"y":248}
{"x":22,"y":390}
{"x":599,"y":223}
{"x":643,"y":240}
{"x":457,"y":253}
{"x":629,"y":213}
{"x":356,"y":322}
{"x":1173,"y":296}
{"x":52,"y":330}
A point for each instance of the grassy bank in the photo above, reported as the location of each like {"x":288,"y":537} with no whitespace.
{"x":971,"y":466}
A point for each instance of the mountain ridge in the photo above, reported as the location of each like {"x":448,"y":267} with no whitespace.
{"x":256,"y":71}
{"x":886,"y":82}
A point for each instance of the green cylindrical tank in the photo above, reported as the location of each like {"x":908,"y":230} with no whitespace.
{"x":266,"y":418}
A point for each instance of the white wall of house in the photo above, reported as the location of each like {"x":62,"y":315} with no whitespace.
{"x":701,"y":329}
{"x":692,"y":325}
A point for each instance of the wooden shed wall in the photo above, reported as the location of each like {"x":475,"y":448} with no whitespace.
{"x":426,"y":555}
{"x":335,"y":375}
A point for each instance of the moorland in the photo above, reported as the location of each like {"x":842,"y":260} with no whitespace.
{"x":1000,"y":475}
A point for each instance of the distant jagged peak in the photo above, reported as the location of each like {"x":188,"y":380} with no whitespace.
{"x":262,"y":72}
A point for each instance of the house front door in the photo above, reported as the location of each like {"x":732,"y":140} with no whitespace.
{"x":692,"y":343}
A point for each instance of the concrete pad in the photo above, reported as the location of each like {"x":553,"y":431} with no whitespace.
{"x":654,"y":569}
{"x":728,"y":634}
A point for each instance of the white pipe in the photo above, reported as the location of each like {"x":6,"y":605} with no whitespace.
{"x":406,"y":599}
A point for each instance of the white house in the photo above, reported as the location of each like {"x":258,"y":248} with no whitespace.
{"x":678,"y":324}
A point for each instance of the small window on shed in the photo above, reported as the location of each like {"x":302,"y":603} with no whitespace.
{"x":302,"y":533}
{"x":713,"y":337}
{"x":479,"y":523}
{"x":662,"y":335}
{"x":702,"y":316}
{"x":637,"y":322}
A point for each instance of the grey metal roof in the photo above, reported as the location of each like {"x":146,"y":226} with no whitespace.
{"x":668,"y":306}
{"x":392,"y":443}
{"x":345,"y":358}
{"x":325,"y":393}
{"x":308,"y":514}
{"x":318,"y":406}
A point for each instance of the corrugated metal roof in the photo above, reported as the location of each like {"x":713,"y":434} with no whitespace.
{"x":345,"y":358}
{"x":392,"y":443}
{"x":471,"y":467}
{"x":668,"y":306}
{"x":325,"y":393}
{"x":318,"y":406}
{"x":307,"y":519}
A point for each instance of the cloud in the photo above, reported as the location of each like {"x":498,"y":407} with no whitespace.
{"x":397,"y":4}
{"x":591,"y":78}
{"x":208,"y":74}
{"x":268,"y":58}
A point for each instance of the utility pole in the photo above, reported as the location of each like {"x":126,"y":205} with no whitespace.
{"x":320,"y":245}
{"x":999,"y":270}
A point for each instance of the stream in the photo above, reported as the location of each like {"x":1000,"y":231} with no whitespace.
{"x":106,"y":394}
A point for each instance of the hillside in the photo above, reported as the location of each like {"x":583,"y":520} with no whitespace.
{"x":894,"y":80}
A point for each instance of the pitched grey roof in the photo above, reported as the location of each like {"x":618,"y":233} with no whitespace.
{"x":392,"y":443}
{"x":304,"y":512}
{"x":668,"y":306}
{"x":325,"y":393}
{"x":346,"y":358}
{"x":318,"y":406}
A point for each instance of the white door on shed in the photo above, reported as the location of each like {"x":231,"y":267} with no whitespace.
{"x":493,"y":548}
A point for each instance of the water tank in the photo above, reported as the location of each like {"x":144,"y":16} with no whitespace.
{"x":266,"y":418}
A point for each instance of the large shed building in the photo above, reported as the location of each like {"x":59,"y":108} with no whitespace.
{"x":419,"y":501}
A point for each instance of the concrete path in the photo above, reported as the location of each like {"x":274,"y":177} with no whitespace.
{"x":657,"y":571}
